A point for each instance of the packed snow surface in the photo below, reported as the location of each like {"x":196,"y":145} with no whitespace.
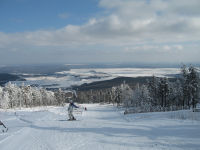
{"x":101,"y":127}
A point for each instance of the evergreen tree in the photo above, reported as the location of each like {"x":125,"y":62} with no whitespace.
{"x":190,"y":78}
{"x":193,"y":85}
{"x":153,"y":90}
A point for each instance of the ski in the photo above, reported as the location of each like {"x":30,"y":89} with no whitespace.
{"x":71,"y":120}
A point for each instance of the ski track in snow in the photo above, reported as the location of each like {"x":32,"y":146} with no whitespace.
{"x":101,"y":127}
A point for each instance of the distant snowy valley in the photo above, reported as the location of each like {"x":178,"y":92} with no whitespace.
{"x":80,"y":76}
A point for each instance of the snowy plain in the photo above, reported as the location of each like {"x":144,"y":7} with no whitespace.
{"x":100,"y":127}
{"x":88,"y":75}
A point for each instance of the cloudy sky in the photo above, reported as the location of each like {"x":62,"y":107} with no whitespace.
{"x":89,"y":31}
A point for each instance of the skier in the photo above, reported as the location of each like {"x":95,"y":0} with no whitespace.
{"x":70,"y":110}
{"x":1,"y":123}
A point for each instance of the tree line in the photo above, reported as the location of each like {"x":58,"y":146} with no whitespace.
{"x":157,"y":94}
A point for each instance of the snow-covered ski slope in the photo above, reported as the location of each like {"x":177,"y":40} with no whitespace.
{"x":102,"y":127}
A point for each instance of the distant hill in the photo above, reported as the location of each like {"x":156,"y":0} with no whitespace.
{"x":5,"y":77}
{"x":34,"y":69}
{"x":114,"y":82}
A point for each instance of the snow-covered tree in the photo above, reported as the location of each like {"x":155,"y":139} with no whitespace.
{"x":153,"y":90}
{"x":12,"y":90}
{"x":145,"y":99}
{"x":193,"y":85}
{"x":190,"y":78}
{"x":5,"y":100}
{"x":163,"y":91}
{"x":126,"y":94}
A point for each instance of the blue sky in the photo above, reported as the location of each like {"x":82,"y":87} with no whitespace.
{"x":30,"y":15}
{"x":96,"y":31}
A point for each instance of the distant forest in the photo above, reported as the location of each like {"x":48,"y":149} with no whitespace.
{"x":5,"y":77}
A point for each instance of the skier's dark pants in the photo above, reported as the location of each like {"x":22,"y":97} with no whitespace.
{"x":1,"y":123}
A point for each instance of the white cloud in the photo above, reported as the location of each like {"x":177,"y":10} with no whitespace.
{"x":128,"y":23}
{"x":149,"y":48}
